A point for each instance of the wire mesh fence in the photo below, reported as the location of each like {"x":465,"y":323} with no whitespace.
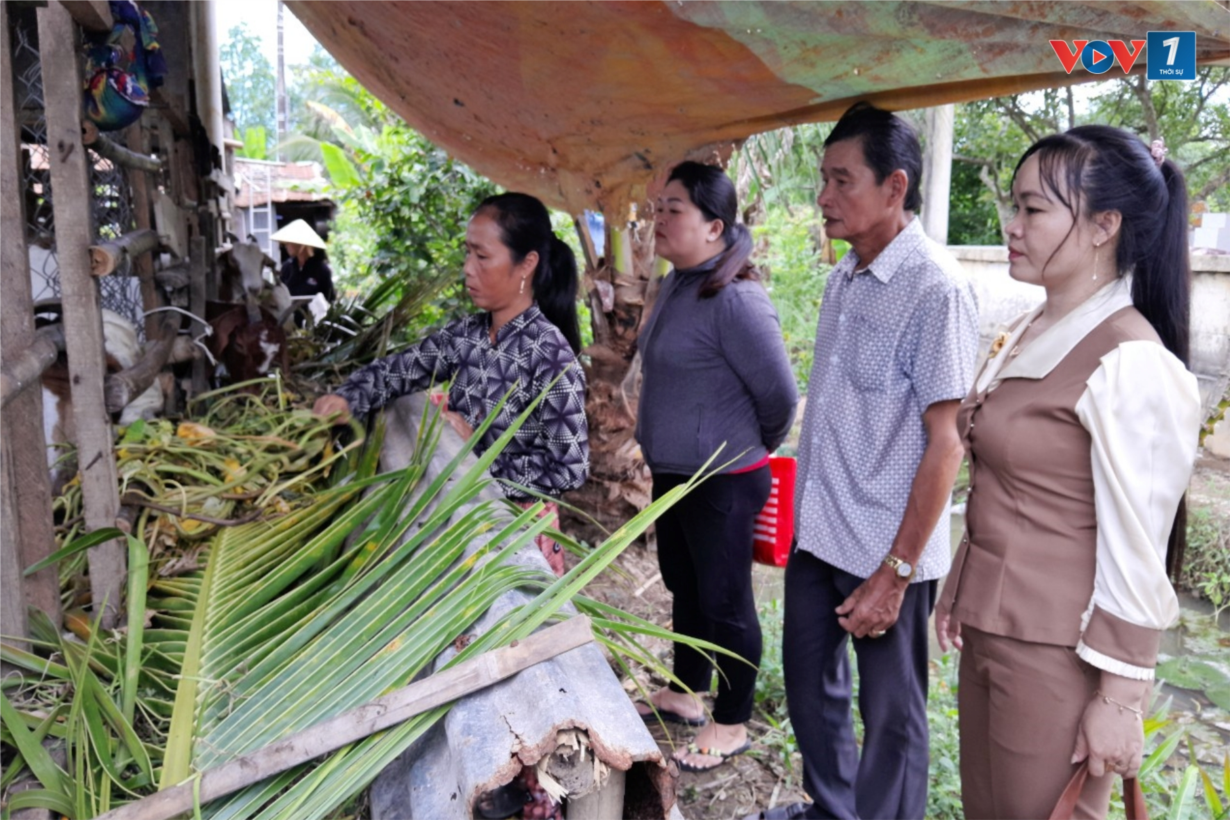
{"x":111,"y":212}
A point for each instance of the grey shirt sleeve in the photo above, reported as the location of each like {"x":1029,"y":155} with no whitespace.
{"x":944,"y":343}
{"x":751,"y":341}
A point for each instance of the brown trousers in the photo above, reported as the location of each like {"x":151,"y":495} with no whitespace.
{"x":1020,"y":706}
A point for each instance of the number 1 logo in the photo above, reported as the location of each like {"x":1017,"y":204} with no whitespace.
{"x":1171,"y":55}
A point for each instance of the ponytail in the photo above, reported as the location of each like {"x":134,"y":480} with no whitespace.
{"x":1161,"y":291}
{"x":555,"y":289}
{"x":1109,"y":169}
{"x":714,"y":194}
{"x":733,"y":263}
{"x":1162,"y":278}
{"x":525,"y":226}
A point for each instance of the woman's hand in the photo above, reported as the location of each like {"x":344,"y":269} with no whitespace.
{"x":1111,"y":735}
{"x":947,"y":630}
{"x":458,"y":423}
{"x":333,"y":407}
{"x":454,"y":419}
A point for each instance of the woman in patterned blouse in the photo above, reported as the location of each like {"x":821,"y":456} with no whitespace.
{"x":525,"y":281}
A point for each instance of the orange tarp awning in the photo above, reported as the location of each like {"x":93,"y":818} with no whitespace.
{"x":582,"y":103}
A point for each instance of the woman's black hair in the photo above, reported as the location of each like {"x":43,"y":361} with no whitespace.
{"x":1092,"y":169}
{"x":525,"y":226}
{"x":714,"y":194}
{"x":888,"y":143}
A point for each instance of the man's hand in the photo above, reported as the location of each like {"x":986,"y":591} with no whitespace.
{"x":873,"y":607}
{"x":332,"y":406}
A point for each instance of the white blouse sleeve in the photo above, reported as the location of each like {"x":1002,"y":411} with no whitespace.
{"x":1142,"y":410}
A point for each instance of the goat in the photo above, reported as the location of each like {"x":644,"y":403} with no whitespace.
{"x":248,"y":325}
{"x":246,"y":340}
{"x":242,"y":269}
{"x":122,"y":349}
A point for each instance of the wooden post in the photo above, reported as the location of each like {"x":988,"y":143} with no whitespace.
{"x":22,"y":368}
{"x":143,"y":265}
{"x":71,"y":195}
{"x":124,"y":157}
{"x":92,"y":15}
{"x":196,"y":306}
{"x":28,"y":534}
{"x":121,"y":388}
{"x":105,"y":257}
{"x":937,"y":172}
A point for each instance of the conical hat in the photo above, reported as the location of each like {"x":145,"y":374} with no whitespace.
{"x":299,"y":233}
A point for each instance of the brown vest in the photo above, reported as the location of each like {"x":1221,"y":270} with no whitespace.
{"x":1025,"y":567}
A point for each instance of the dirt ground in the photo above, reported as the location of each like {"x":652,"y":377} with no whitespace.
{"x":761,"y":779}
{"x":744,"y":785}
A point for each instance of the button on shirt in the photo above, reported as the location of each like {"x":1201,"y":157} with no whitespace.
{"x":892,"y":340}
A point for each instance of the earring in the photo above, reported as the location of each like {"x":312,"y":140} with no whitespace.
{"x":521,"y":289}
{"x":1097,"y":249}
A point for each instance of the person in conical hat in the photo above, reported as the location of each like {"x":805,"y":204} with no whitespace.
{"x":305,"y":272}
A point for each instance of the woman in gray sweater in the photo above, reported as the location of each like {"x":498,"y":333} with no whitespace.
{"x":716,"y":375}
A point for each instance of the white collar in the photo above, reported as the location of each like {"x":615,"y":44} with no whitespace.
{"x":1054,"y":344}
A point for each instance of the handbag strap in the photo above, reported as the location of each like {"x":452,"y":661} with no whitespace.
{"x":1133,"y":798}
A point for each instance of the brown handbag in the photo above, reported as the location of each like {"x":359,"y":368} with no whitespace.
{"x":1133,"y":798}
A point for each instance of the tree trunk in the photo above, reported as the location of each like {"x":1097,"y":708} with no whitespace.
{"x":620,"y":293}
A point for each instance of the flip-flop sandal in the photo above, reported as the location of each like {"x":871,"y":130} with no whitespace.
{"x":502,"y":802}
{"x":718,"y":753}
{"x":791,"y":811}
{"x":668,"y":716}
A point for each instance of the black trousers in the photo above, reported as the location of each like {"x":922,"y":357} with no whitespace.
{"x":890,"y":781}
{"x":705,"y":554}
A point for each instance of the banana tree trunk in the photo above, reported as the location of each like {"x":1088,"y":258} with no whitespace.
{"x":620,"y":290}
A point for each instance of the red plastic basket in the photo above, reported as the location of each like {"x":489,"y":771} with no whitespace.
{"x":775,"y":524}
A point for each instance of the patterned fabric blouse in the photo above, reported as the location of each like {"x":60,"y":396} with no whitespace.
{"x":550,"y":453}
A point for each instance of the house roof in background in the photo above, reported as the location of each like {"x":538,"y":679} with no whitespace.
{"x":256,"y":181}
{"x":584,"y":103}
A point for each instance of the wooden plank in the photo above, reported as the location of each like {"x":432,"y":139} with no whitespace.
{"x":441,"y":688}
{"x":59,"y":55}
{"x":91,"y":15}
{"x":28,"y":534}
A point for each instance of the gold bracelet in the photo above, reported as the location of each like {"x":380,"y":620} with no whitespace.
{"x":1109,"y":701}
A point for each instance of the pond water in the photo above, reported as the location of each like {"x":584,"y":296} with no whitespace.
{"x":1194,"y":663}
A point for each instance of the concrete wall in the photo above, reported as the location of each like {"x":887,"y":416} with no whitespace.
{"x":1001,"y":299}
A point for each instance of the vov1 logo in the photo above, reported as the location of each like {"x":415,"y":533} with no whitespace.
{"x":1097,"y":56}
{"x":1171,"y":55}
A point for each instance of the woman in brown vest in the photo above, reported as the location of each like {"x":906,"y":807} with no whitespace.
{"x":1081,"y":434}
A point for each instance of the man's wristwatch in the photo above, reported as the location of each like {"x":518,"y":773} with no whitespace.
{"x":904,"y":569}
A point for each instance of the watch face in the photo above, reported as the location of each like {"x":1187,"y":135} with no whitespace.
{"x":904,"y":569}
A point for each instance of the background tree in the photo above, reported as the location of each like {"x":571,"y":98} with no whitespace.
{"x":1192,"y":117}
{"x":249,"y":87}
